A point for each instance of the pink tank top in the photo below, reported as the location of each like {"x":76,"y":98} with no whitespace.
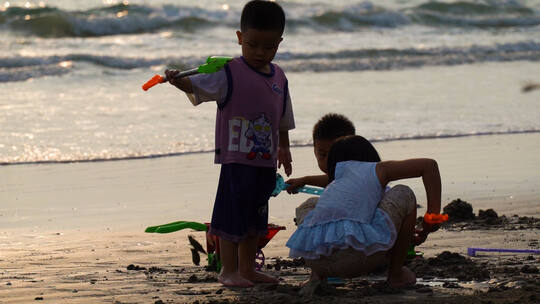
{"x":247,"y":122}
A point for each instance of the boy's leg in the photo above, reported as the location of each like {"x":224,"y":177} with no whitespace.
{"x":255,"y":198}
{"x":240,"y":215}
{"x":304,"y":208}
{"x":229,"y":275}
{"x":247,"y":249}
{"x":225,"y":216}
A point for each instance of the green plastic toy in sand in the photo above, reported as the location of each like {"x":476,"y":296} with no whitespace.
{"x":214,"y":264}
{"x":175,"y":226}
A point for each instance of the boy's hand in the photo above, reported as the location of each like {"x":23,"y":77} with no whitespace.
{"x":182,"y":83}
{"x":170,"y":76}
{"x":295,"y":183}
{"x":285,"y":159}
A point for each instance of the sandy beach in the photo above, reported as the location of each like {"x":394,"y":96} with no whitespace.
{"x":69,"y":232}
{"x":89,"y":160}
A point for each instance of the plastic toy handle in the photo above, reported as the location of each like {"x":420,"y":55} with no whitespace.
{"x":433,"y":218}
{"x":310,"y":190}
{"x":157,"y":79}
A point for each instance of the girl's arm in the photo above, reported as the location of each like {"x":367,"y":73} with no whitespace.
{"x":426,"y":168}
{"x":421,"y":167}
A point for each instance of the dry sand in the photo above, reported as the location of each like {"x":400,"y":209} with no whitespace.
{"x":69,"y":232}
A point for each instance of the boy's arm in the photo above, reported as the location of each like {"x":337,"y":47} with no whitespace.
{"x":284,"y":153}
{"x":202,"y":88}
{"x":314,"y":180}
{"x":286,"y":123}
{"x":183,"y":83}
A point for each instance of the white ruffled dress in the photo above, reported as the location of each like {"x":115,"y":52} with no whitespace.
{"x":346,"y":216}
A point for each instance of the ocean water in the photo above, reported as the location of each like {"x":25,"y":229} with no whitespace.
{"x":71,"y":71}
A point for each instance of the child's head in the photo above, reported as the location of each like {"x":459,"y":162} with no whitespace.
{"x":262,"y":24}
{"x":352,"y":147}
{"x":325,"y":132}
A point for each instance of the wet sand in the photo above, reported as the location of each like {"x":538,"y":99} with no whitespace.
{"x":75,"y":232}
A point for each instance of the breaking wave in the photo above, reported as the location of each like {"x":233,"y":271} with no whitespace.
{"x":22,"y":68}
{"x":128,"y":19}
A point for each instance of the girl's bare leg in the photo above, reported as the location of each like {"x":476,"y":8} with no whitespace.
{"x":229,"y":275}
{"x":247,"y":249}
{"x":398,"y":275}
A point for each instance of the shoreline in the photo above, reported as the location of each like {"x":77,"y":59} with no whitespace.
{"x":491,"y":172}
{"x":294,"y":146}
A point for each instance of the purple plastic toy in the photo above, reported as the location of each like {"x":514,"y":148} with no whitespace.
{"x":472,"y":251}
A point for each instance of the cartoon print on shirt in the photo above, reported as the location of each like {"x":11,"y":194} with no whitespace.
{"x":260,"y":133}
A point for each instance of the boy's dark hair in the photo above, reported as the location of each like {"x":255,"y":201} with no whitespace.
{"x":353,"y":147}
{"x":332,"y":126}
{"x":262,"y":15}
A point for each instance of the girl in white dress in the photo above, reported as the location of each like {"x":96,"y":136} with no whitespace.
{"x":356,"y":226}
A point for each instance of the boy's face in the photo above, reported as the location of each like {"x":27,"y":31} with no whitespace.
{"x":259,"y":47}
{"x":321,"y":148}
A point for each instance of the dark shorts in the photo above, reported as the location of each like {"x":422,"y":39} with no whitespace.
{"x":241,"y":207}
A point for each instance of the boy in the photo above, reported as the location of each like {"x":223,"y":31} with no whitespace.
{"x":325,"y":132}
{"x":253,"y":117}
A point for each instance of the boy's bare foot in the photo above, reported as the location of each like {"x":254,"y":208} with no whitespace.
{"x":404,"y":277}
{"x":234,"y":280}
{"x":260,"y":277}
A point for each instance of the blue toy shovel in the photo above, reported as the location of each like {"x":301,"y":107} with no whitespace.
{"x":281,"y":185}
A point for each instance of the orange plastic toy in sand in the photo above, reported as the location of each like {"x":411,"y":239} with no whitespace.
{"x":432,"y":218}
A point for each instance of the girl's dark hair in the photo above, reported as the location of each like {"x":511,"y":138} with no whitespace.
{"x":353,"y":147}
{"x":262,"y":15}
